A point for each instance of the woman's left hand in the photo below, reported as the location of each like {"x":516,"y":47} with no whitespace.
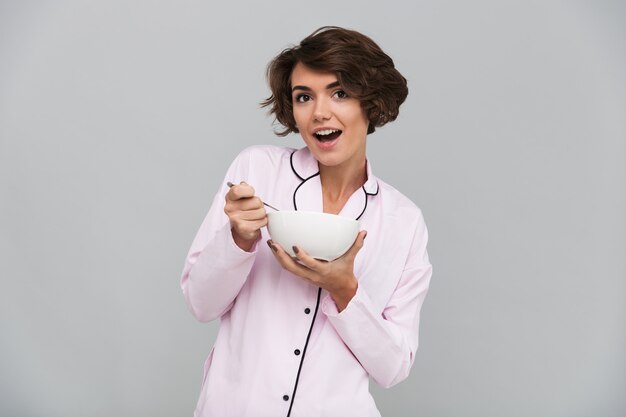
{"x":336,"y":277}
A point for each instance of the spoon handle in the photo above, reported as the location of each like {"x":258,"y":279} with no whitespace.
{"x":230,"y":185}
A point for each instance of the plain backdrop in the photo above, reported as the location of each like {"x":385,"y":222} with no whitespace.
{"x":119,"y":118}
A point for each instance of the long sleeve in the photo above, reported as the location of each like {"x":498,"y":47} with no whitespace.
{"x":385,"y":342}
{"x":216,"y":268}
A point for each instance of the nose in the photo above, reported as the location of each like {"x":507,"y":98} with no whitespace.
{"x":322,"y":110}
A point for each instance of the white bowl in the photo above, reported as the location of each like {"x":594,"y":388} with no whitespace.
{"x":321,"y":235}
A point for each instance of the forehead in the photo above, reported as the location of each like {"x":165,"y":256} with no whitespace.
{"x":306,"y":76}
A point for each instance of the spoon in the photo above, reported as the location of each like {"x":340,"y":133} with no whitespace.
{"x":230,"y":185}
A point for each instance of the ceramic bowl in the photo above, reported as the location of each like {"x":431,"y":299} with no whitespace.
{"x":323,"y":236}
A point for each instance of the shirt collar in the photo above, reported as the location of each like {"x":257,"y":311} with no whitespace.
{"x":305,"y":166}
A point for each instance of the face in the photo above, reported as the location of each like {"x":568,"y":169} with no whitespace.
{"x":332,"y":124}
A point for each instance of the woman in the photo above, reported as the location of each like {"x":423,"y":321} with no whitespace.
{"x":302,"y":338}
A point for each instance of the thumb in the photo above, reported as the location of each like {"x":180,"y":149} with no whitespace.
{"x":358,"y":244}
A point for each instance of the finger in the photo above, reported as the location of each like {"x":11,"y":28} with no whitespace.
{"x":306,"y":259}
{"x":244,"y":204}
{"x":357,"y":245}
{"x":249,"y":230}
{"x":240,"y":191}
{"x":248,"y":215}
{"x":249,"y":225}
{"x":287,"y":262}
{"x":235,"y":209}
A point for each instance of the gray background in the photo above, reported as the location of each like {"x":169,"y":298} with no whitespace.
{"x":118,"y":120}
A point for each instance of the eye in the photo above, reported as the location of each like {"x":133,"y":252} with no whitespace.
{"x":340,"y":94}
{"x":302,"y":98}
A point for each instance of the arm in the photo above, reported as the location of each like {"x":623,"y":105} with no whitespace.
{"x":216,"y":268}
{"x":385,"y":343}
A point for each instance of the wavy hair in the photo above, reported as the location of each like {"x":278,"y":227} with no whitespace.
{"x":363,"y":70}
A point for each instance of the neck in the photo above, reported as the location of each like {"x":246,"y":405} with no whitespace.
{"x":340,"y":182}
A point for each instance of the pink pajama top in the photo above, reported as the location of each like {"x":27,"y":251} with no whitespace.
{"x":283,"y":349}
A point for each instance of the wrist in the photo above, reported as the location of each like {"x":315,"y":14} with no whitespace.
{"x":344,"y":295}
{"x":244,"y":244}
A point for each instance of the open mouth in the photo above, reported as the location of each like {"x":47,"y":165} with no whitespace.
{"x":327,"y":135}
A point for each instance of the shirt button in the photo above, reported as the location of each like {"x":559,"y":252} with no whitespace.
{"x":286,"y":397}
{"x":296,"y":352}
{"x":307,"y":310}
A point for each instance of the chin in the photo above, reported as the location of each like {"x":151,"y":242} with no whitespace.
{"x":328,"y":161}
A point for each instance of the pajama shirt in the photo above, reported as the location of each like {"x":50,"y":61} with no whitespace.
{"x":283,"y":348}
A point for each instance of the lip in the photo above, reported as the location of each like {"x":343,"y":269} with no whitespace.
{"x":327,"y":146}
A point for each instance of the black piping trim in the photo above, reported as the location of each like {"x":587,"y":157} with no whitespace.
{"x":319,"y":292}
{"x":292,"y":168}
{"x":295,"y":206}
{"x":365,"y":206}
{"x":376,"y":193}
{"x":308,"y":336}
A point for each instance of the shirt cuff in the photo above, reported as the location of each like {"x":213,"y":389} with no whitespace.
{"x":330,"y":308}
{"x":223,"y":253}
{"x":234,"y":246}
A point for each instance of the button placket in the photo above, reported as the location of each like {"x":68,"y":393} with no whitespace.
{"x":300,"y":353}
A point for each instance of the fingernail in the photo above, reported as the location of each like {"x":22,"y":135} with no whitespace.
{"x":295,"y":249}
{"x":269,"y":243}
{"x":365,"y":235}
{"x":274,"y":248}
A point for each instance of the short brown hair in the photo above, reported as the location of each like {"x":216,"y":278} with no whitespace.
{"x":363,"y":70}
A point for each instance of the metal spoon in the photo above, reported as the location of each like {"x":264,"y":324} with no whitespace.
{"x":230,"y":185}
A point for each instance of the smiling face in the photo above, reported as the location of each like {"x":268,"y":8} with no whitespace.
{"x":332,"y":124}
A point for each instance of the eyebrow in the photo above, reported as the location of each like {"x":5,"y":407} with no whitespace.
{"x":305,"y":88}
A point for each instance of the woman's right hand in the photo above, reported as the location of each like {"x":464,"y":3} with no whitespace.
{"x":246,"y":214}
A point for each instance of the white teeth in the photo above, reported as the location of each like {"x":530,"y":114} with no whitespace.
{"x":326,"y":132}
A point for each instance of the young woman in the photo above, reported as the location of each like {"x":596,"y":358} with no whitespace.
{"x":301,"y":338}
